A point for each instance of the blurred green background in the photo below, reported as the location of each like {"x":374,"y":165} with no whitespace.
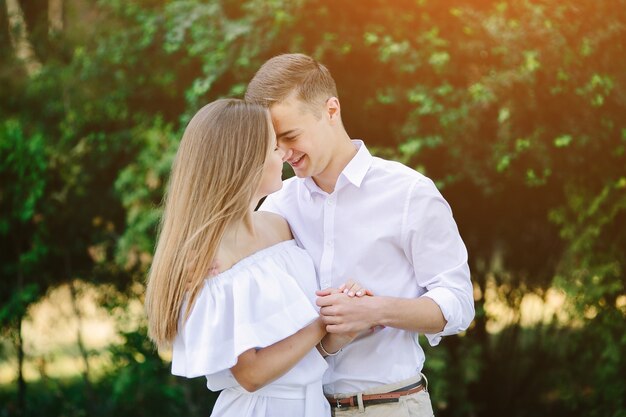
{"x":517,"y":108}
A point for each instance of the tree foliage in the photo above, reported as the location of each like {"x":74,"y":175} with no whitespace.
{"x":517,"y":108}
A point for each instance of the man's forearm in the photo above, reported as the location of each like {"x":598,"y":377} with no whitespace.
{"x":421,"y":315}
{"x":343,"y":314}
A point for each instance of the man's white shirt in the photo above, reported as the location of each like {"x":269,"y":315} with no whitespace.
{"x":387,"y":227}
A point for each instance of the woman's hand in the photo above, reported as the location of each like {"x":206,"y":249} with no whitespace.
{"x":333,"y":343}
{"x":352,"y":288}
{"x":345,"y":309}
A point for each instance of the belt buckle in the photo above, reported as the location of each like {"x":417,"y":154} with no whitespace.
{"x":338,"y":404}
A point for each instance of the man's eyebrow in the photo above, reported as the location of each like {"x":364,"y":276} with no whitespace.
{"x":287,"y":133}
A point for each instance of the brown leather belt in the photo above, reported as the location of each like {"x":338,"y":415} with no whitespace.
{"x":373,"y":399}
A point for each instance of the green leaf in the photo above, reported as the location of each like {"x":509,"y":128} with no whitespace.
{"x":563,"y":141}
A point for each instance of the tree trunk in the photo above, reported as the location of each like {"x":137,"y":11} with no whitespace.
{"x":55,"y":16}
{"x":19,"y":38}
{"x":21,"y":383}
{"x":477,"y":390}
{"x":79,"y":333}
{"x":89,"y":393}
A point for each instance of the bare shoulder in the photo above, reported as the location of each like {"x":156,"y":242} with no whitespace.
{"x":275,"y":225}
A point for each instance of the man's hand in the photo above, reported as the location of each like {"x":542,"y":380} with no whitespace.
{"x":345,"y":314}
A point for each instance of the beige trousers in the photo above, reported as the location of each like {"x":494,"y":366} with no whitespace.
{"x":414,"y":405}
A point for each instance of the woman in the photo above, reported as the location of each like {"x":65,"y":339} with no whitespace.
{"x":227,"y":285}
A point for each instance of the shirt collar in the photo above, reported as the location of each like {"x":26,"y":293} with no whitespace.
{"x":353,"y":173}
{"x":358,"y":166}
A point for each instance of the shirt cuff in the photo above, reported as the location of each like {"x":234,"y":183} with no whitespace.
{"x":452,"y":312}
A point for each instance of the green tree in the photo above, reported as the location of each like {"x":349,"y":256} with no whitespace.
{"x":515,"y":108}
{"x":22,"y":173}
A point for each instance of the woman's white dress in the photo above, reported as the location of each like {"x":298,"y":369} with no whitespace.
{"x":261,"y":300}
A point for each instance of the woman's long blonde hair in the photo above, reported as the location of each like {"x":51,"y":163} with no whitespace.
{"x":214,"y":179}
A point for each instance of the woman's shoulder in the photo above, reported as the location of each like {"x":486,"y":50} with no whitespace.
{"x":275,"y":226}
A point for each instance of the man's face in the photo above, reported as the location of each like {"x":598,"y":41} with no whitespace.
{"x":305,"y":137}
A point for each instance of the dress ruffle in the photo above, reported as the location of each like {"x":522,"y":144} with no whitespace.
{"x":254,"y":304}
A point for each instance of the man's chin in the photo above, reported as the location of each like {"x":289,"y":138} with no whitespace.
{"x":301,"y":172}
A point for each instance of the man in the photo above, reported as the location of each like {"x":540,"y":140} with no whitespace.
{"x":375,"y":221}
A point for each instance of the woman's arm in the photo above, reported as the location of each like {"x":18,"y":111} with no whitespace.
{"x":257,"y":368}
{"x":332,"y":343}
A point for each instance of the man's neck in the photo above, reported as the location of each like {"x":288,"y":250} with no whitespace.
{"x":344,"y":153}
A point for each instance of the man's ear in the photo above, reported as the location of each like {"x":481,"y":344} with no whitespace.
{"x":333,"y":109}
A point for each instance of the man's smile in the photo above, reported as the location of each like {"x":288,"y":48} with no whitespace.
{"x":294,"y":162}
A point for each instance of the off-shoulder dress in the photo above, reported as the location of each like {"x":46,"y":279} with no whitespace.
{"x":261,"y":300}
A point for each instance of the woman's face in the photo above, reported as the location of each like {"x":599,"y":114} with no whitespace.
{"x":271,"y":180}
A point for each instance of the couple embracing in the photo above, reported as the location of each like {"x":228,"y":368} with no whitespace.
{"x":312,"y":305}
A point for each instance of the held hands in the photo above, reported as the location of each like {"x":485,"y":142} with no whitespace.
{"x":349,"y":309}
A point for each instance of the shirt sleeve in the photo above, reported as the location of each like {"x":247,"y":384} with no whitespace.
{"x":433,"y":244}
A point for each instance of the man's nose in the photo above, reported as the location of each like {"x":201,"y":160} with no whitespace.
{"x":287,"y":154}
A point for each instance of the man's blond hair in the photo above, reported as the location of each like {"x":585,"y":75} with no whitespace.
{"x":288,"y":74}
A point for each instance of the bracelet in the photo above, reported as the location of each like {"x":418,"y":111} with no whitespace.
{"x":325,"y":352}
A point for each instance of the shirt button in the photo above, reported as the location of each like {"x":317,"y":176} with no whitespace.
{"x":329,"y":243}
{"x":330,"y":202}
